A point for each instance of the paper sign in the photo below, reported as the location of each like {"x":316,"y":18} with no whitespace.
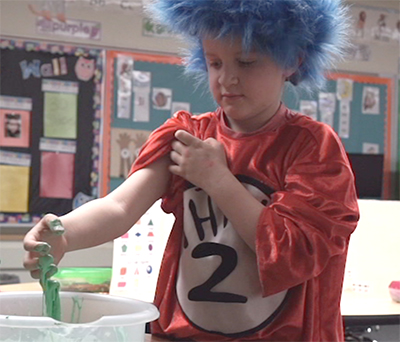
{"x":15,"y":158}
{"x":13,"y":102}
{"x":14,"y":188}
{"x":55,"y":145}
{"x":344,"y":119}
{"x":70,"y":28}
{"x":15,"y":128}
{"x":57,"y":175}
{"x":370,"y":148}
{"x":327,"y":107}
{"x":60,"y":115}
{"x":60,"y":86}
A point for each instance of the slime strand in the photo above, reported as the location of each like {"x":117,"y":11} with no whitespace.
{"x":51,"y":288}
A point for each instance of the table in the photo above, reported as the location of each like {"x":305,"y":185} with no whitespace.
{"x":365,"y":308}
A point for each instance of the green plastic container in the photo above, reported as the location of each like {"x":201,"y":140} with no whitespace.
{"x":84,"y":279}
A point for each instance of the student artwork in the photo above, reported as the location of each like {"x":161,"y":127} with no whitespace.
{"x":344,"y":90}
{"x":360,"y":25}
{"x":370,"y":102}
{"x":84,"y":68}
{"x":15,"y":128}
{"x":125,"y":147}
{"x":375,"y":24}
{"x":162,"y":98}
{"x":381,"y":31}
{"x":141,"y":90}
{"x":49,"y":9}
{"x":124,"y":79}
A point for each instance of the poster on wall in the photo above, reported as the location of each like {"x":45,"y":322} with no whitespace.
{"x":50,"y":104}
{"x":137,"y":255}
{"x":125,"y":147}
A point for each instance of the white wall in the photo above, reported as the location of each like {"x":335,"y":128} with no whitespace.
{"x":121,"y":29}
{"x":12,"y":255}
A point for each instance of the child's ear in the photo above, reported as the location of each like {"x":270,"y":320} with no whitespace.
{"x":289,"y":72}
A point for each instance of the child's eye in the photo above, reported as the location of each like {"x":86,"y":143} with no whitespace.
{"x":245,"y":63}
{"x":214,"y":64}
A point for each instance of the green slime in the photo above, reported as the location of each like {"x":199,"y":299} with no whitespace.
{"x":51,"y":288}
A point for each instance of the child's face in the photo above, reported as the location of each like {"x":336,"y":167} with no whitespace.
{"x":248,"y":86}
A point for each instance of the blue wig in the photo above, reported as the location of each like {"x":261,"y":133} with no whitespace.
{"x":305,"y":35}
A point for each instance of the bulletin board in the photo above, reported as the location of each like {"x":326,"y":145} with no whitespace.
{"x":357,"y":107}
{"x":360,"y":111}
{"x":50,"y":119}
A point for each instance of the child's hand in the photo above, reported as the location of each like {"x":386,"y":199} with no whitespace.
{"x":202,"y":163}
{"x":44,"y":238}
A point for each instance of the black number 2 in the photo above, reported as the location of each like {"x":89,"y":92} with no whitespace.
{"x":203,"y":293}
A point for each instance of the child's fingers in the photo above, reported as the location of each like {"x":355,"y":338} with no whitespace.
{"x":176,"y":157}
{"x":187,"y":138}
{"x":31,"y":262}
{"x":32,"y":240}
{"x":54,"y":224}
{"x":35,"y":274}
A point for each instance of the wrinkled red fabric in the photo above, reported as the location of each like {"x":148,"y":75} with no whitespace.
{"x":302,"y":234}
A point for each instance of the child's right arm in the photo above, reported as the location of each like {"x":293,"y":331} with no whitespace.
{"x":100,"y":220}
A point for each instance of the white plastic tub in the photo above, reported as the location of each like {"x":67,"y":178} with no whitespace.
{"x":85,"y":317}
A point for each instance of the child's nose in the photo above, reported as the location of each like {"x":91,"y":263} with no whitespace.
{"x":228,"y":77}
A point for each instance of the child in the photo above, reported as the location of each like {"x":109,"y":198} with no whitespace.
{"x":264,"y":197}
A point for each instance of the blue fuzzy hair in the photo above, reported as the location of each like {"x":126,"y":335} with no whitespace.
{"x":310,"y":31}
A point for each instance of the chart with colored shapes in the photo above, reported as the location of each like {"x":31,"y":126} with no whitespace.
{"x":138,"y":253}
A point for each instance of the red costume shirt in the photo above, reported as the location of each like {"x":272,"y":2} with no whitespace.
{"x":212,"y":286}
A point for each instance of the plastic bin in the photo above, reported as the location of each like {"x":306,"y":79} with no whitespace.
{"x":84,"y":279}
{"x":85,"y":317}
